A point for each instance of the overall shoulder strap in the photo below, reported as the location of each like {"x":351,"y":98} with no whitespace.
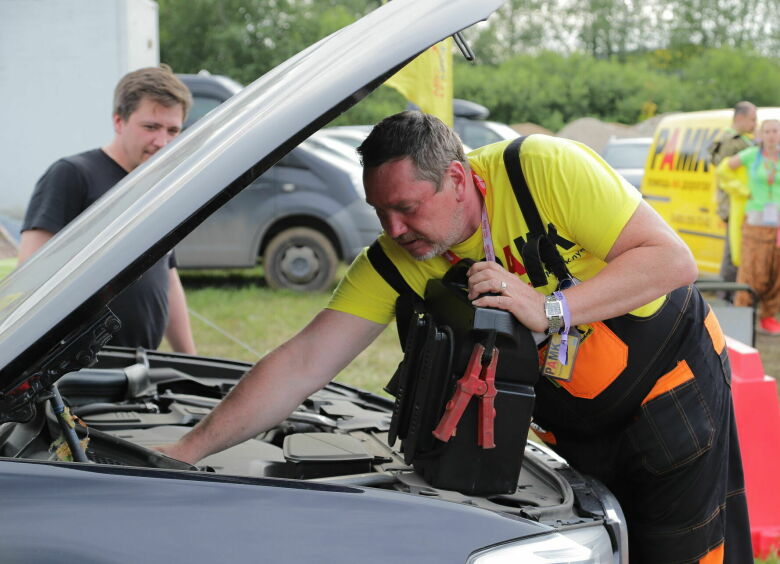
{"x":520,"y":186}
{"x":539,"y":249}
{"x":387,"y":270}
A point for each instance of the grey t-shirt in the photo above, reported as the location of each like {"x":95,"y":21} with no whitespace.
{"x":67,"y":188}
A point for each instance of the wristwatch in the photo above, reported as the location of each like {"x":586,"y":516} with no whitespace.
{"x":553,"y":309}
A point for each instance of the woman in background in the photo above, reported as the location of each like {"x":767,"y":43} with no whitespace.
{"x":759,"y":264}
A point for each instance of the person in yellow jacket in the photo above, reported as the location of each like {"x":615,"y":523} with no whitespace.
{"x":737,"y":137}
{"x":750,"y":177}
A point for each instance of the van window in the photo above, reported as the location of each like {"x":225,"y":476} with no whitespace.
{"x":626,"y":155}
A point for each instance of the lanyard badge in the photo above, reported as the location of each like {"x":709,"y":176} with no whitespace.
{"x":553,"y":366}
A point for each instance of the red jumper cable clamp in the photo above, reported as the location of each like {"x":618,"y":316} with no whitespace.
{"x":479,"y":380}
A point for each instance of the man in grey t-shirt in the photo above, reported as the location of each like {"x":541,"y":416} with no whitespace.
{"x":150,"y":105}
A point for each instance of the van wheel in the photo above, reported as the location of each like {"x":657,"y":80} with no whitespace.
{"x":300,"y":259}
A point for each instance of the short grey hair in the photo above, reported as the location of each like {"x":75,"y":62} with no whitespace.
{"x":743,"y":108}
{"x":424,"y":138}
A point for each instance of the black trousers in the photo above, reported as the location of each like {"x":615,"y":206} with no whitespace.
{"x":674,"y":464}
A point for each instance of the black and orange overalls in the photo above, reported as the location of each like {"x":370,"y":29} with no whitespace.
{"x":648,"y":411}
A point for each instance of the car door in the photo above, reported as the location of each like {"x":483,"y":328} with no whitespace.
{"x":230,"y":237}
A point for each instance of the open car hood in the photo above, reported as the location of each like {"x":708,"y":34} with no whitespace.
{"x":53,"y":315}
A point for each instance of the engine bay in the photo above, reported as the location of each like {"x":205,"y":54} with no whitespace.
{"x":131,"y":401}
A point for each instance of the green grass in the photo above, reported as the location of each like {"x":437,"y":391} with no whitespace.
{"x":773,"y":559}
{"x":239,"y":304}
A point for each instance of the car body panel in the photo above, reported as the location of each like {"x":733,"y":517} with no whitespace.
{"x":208,"y":92}
{"x":320,"y":191}
{"x":229,"y":236}
{"x":477,"y":133}
{"x":254,"y":518}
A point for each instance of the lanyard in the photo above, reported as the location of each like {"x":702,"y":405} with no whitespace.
{"x":770,"y":167}
{"x":487,"y":240}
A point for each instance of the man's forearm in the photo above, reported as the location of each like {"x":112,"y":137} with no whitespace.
{"x":278,"y":383}
{"x":264,"y":396}
{"x":647,"y":261}
{"x":623,"y":286}
{"x":32,"y":240}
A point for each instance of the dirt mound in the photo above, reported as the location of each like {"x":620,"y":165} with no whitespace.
{"x":594,"y":132}
{"x":528,"y":128}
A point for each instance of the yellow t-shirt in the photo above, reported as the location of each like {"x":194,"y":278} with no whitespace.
{"x":573,"y":188}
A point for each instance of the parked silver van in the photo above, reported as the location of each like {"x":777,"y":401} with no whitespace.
{"x":299,"y":219}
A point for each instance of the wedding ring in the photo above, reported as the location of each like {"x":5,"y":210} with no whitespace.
{"x":503,"y":285}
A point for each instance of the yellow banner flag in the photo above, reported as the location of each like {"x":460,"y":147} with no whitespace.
{"x":427,"y":81}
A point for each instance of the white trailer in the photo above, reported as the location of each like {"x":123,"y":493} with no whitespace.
{"x":59,"y":63}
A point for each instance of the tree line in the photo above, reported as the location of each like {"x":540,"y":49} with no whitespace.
{"x":544,"y":61}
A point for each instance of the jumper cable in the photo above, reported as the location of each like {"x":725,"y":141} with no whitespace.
{"x":478,"y":380}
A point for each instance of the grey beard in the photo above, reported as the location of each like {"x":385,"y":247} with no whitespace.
{"x":438,"y":249}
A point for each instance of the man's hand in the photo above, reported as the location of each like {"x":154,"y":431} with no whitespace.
{"x":515,"y":296}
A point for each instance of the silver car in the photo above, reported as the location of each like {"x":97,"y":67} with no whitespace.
{"x":300,"y":218}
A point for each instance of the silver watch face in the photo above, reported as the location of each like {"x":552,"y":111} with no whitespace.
{"x":553,"y":309}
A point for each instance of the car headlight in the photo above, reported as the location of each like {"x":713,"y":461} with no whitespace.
{"x":590,"y":545}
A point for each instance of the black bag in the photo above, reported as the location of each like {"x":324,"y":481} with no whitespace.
{"x":439,"y":336}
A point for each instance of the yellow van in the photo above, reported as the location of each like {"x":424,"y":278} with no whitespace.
{"x":679,"y":181}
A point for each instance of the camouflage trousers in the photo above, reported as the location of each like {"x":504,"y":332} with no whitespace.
{"x":760,"y":269}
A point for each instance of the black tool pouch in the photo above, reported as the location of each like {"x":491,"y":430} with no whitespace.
{"x":439,"y":334}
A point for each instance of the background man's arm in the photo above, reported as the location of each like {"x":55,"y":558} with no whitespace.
{"x":31,"y":241}
{"x":178,"y":332}
{"x":278,"y":383}
{"x":735,"y":162}
{"x":648,"y":260}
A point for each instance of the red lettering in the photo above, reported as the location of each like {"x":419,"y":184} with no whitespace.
{"x":512,"y":264}
{"x":669,"y":151}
